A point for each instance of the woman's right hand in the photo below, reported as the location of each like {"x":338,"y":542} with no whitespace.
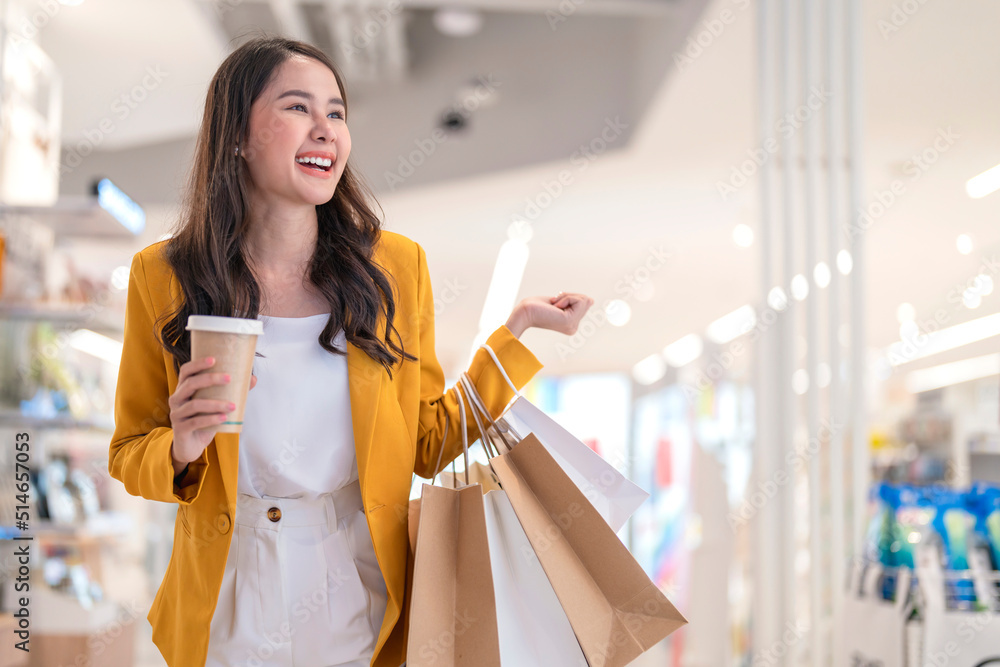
{"x":191,"y":418}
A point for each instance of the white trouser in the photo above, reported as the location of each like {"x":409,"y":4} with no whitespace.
{"x":301,"y":588}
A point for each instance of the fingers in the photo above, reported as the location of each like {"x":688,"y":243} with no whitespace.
{"x":192,"y":377}
{"x":200,"y":406}
{"x":194,"y":366}
{"x":570,"y":299}
{"x":185,"y":391}
{"x":202,"y":421}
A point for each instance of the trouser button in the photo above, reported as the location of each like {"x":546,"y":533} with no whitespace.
{"x":274,"y":514}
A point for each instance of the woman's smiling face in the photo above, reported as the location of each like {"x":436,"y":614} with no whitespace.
{"x":300,"y":114}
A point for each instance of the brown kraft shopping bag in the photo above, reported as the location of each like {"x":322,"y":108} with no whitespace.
{"x":452,"y":609}
{"x":616,"y":611}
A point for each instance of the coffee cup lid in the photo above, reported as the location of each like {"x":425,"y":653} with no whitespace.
{"x":219,"y":324}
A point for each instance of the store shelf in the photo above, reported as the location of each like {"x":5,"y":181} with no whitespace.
{"x":76,"y":216}
{"x":984,"y":444}
{"x":104,"y":524}
{"x":11,"y":417}
{"x":85,"y":315}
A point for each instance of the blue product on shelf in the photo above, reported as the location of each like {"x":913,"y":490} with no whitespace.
{"x":906,"y":526}
{"x":908,"y":513}
{"x":880,"y":527}
{"x":957,"y":531}
{"x":914,"y":515}
{"x":952,"y":523}
{"x":984,"y":504}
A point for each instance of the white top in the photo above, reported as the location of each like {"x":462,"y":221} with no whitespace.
{"x":295,"y":594}
{"x":297,"y":438}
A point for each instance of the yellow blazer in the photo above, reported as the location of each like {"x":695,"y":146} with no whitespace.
{"x":398,"y":426}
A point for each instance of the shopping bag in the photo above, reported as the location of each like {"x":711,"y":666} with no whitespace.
{"x":441,"y":593}
{"x":613,"y":495}
{"x":413,"y":510}
{"x":873,"y":629}
{"x":478,"y":474}
{"x":532,"y":626}
{"x":615,"y":610}
{"x":453,"y":620}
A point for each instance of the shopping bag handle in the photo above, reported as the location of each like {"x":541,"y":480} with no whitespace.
{"x":475,"y":400}
{"x":444,"y":438}
{"x":493,"y":355}
{"x":474,"y":404}
{"x":465,"y":432}
{"x":480,"y":405}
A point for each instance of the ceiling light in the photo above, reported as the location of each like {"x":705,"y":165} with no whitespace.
{"x":964,"y":244}
{"x":844,"y":262}
{"x":520,"y":230}
{"x":950,"y":338}
{"x":458,"y":22}
{"x":618,"y":312}
{"x":97,"y":345}
{"x":984,"y":184}
{"x":121,"y":207}
{"x":800,"y":287}
{"x":683,"y":351}
{"x":743,"y":235}
{"x":945,"y":375}
{"x":502,"y":292}
{"x":800,"y":381}
{"x":821,"y":275}
{"x":905,"y":312}
{"x":971,"y":298}
{"x":732,"y":325}
{"x":649,"y":370}
{"x":777,"y":298}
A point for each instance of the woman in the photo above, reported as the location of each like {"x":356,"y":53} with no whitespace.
{"x":290,"y":544}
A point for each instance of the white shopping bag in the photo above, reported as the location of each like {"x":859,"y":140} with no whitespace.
{"x":613,"y":495}
{"x":873,"y":628}
{"x":532,"y":625}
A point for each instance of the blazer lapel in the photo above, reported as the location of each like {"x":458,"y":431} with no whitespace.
{"x":365,"y":376}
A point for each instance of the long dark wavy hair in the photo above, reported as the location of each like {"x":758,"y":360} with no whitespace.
{"x":208,"y":251}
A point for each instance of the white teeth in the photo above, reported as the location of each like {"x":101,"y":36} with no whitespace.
{"x":318,"y":161}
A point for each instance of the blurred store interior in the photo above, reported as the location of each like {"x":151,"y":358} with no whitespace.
{"x":773,"y":204}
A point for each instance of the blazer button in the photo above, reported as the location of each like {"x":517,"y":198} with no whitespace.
{"x":274,"y":514}
{"x":223,"y":523}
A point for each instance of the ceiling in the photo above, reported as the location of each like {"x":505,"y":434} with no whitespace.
{"x":682,"y":130}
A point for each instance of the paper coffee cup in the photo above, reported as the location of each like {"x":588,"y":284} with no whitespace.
{"x":233,"y":343}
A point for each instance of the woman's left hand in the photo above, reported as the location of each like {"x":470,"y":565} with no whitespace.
{"x":561,"y":313}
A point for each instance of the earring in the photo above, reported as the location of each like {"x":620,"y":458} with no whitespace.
{"x":237,"y":149}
